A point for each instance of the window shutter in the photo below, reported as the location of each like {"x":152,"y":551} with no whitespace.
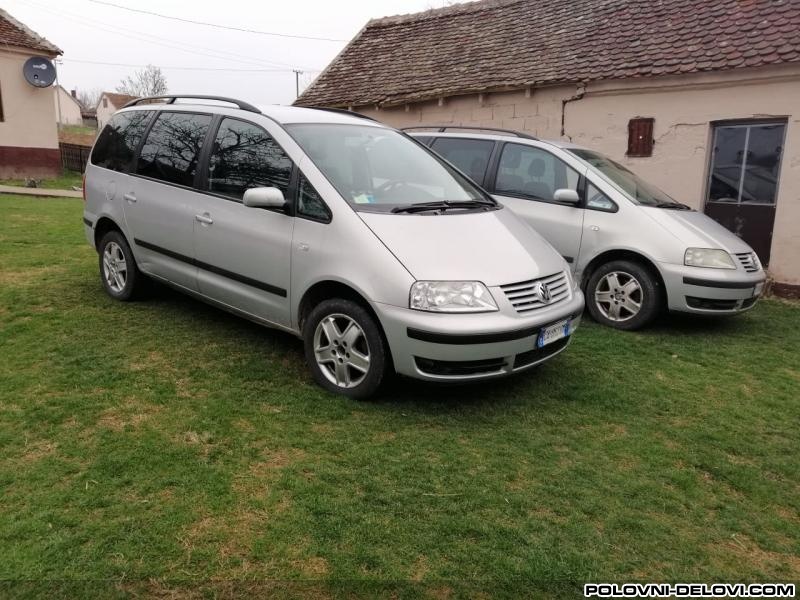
{"x":640,"y":137}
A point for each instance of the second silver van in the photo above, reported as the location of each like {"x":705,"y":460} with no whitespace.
{"x":635,"y":249}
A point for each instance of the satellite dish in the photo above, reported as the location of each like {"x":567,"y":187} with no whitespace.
{"x":39,"y":71}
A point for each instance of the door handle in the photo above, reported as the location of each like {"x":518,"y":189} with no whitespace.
{"x":205,"y":219}
{"x":130,"y":197}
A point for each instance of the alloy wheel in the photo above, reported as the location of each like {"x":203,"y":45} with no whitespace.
{"x":341,"y":350}
{"x":115,"y":268}
{"x":618,"y":296}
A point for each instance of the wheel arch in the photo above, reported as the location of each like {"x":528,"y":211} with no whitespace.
{"x":331,"y":288}
{"x":103,"y":225}
{"x":624,"y":254}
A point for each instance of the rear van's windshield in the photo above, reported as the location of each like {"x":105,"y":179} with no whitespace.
{"x":378,"y":169}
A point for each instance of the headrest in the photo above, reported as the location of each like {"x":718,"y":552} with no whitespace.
{"x":536,"y":168}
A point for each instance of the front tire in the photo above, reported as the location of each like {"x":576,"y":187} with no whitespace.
{"x":344,"y":348}
{"x":624,"y":295}
{"x":119,"y":274}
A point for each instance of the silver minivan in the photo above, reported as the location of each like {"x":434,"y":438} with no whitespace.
{"x":634,"y":249}
{"x":371,"y":248}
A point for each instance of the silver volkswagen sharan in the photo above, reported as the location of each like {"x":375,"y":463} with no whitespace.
{"x":634,"y":249}
{"x":347,"y":233}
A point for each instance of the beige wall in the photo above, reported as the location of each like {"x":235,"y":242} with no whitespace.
{"x":69,"y":108}
{"x":683,"y":109}
{"x":29,"y":112}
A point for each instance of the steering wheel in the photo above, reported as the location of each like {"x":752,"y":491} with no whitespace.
{"x":390,"y":186}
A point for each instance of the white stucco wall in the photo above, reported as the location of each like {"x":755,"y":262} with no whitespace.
{"x":69,"y":109}
{"x":684,"y":109}
{"x":104,"y":111}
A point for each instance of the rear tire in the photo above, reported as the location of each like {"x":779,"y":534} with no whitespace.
{"x":345,"y":349}
{"x":623,"y":294}
{"x":119,"y":274}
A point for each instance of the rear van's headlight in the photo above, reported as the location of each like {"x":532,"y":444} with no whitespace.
{"x":708,"y":257}
{"x":451,"y":297}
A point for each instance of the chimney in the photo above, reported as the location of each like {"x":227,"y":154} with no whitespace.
{"x":74,"y":93}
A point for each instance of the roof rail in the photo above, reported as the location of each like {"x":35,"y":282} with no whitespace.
{"x":343,"y":111}
{"x":443,"y":128}
{"x":170,"y":99}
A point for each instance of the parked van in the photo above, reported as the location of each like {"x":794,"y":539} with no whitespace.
{"x":344,"y":232}
{"x":634,"y":249}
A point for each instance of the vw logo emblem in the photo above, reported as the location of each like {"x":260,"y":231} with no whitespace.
{"x":544,"y":293}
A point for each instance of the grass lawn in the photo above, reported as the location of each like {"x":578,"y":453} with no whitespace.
{"x":164,"y":445}
{"x":63,"y":182}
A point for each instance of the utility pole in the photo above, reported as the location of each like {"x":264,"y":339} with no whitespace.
{"x":297,"y":74}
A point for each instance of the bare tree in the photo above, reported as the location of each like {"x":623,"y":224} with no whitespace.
{"x":149,"y":81}
{"x":89,"y":98}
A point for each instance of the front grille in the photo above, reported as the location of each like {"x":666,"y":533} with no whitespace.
{"x":710,"y":304}
{"x":749,"y":261}
{"x":531,"y":356}
{"x":455,"y":368}
{"x":524,"y":296}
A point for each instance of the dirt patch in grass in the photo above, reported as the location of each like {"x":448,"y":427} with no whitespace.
{"x":36,"y":451}
{"x":25,"y":277}
{"x":313,"y":567}
{"x":745,"y":550}
{"x":132,"y":412}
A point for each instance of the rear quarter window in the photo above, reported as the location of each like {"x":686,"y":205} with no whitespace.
{"x":116,"y":144}
{"x":171,"y":151}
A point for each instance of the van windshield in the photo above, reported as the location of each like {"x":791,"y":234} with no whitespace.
{"x":634,"y":186}
{"x":380,"y":170}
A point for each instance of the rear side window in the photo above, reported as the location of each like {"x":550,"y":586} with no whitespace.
{"x":245,"y":156}
{"x":533,"y":172}
{"x":468,"y":156}
{"x":172,"y":148}
{"x":117,"y":143}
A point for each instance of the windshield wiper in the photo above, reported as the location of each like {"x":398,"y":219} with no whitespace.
{"x":673,"y":205}
{"x":444,"y":205}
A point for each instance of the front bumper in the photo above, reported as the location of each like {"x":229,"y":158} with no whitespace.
{"x":711,"y":291}
{"x":465,"y":347}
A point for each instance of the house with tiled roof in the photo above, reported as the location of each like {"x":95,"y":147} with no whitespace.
{"x":108,"y":104}
{"x":701,"y":98}
{"x":28,"y":131}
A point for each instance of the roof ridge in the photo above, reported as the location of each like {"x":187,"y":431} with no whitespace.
{"x":445,"y":11}
{"x":37,"y":38}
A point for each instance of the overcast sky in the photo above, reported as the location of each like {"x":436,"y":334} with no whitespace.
{"x":253,"y":67}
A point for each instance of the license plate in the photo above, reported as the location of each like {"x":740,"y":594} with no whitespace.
{"x":758,"y":289}
{"x":554,"y":332}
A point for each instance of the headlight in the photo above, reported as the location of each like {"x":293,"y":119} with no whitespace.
{"x":451,"y":296}
{"x":708,"y":257}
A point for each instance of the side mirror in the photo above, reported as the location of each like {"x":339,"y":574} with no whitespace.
{"x":264,"y":197}
{"x":566,"y":196}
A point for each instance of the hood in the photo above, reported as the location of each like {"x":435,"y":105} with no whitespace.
{"x":696,"y":229}
{"x":494,"y":247}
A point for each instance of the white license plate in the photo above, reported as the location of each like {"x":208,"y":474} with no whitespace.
{"x":758,"y":289}
{"x":553,"y":333}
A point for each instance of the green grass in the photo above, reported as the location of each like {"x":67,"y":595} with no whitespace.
{"x":163,"y":445}
{"x":64,"y":182}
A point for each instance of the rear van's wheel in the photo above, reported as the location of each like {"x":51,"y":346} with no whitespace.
{"x":623,"y":294}
{"x":344,"y":348}
{"x":119,"y":274}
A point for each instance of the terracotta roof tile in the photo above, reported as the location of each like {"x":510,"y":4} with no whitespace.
{"x":16,"y":34}
{"x":496,"y":43}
